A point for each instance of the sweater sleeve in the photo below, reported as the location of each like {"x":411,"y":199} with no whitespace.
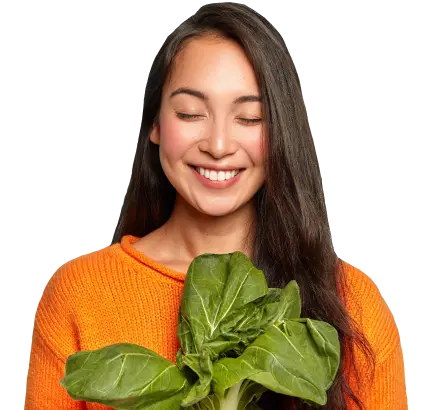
{"x":373,"y":315}
{"x":54,"y":338}
{"x":388,"y":389}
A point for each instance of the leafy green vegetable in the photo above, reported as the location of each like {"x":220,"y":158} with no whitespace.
{"x":124,"y":376}
{"x":238,"y":338}
{"x":297,"y":358}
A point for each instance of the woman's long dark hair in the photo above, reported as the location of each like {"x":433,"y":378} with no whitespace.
{"x":292,"y":235}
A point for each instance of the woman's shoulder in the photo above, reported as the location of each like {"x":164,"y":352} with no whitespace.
{"x":101,"y":255}
{"x":85,"y":266}
{"x":369,"y":309}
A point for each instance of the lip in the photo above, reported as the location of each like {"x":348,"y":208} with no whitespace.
{"x":216,"y":184}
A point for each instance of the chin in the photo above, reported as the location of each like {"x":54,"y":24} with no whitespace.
{"x":216,"y":210}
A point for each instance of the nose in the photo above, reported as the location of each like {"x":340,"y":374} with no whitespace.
{"x":220,"y":142}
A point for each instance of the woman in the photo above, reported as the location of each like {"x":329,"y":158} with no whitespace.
{"x":225,"y":161}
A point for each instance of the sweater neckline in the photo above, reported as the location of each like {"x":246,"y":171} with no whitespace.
{"x":126,"y":244}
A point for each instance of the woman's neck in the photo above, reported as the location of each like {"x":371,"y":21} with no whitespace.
{"x":189,"y":233}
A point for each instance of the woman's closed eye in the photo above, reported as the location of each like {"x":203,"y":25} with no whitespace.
{"x":196,"y":116}
{"x":188,"y":116}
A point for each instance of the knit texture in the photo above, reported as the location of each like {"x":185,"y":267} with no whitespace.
{"x":118,"y":294}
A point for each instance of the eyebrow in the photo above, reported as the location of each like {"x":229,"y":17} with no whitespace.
{"x":204,"y":97}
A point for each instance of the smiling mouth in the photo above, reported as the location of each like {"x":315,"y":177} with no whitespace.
{"x":196,"y":169}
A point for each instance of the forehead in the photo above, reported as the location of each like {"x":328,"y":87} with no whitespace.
{"x":215,"y":66}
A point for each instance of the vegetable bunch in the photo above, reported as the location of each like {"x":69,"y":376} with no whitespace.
{"x":238,"y":338}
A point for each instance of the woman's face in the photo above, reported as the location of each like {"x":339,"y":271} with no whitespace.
{"x":218,"y":73}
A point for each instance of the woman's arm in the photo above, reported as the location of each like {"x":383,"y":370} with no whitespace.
{"x":46,"y":368}
{"x":371,"y":312}
{"x":388,"y":389}
{"x":53,"y":340}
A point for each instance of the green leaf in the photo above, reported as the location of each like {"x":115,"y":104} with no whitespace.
{"x":186,"y":336}
{"x":215,"y":286}
{"x":171,"y":403}
{"x":210,"y":402}
{"x":124,"y":376}
{"x":298,"y":358}
{"x":202,"y":366}
{"x":249,"y":394}
{"x":289,"y":303}
{"x":245,"y":324}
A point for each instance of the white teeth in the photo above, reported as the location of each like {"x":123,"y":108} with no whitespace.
{"x":217,"y":175}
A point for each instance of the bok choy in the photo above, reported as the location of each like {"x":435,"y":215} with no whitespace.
{"x":238,"y":338}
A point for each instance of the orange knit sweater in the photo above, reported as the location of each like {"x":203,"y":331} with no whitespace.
{"x":118,"y":294}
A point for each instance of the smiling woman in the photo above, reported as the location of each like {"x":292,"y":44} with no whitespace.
{"x":225,"y":162}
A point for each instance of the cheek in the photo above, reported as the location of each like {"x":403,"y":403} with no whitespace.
{"x":175,"y":139}
{"x":255,"y":148}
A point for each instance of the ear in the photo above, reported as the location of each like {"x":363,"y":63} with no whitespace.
{"x":154,"y":136}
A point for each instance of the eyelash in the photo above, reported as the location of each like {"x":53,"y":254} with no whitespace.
{"x":246,"y":120}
